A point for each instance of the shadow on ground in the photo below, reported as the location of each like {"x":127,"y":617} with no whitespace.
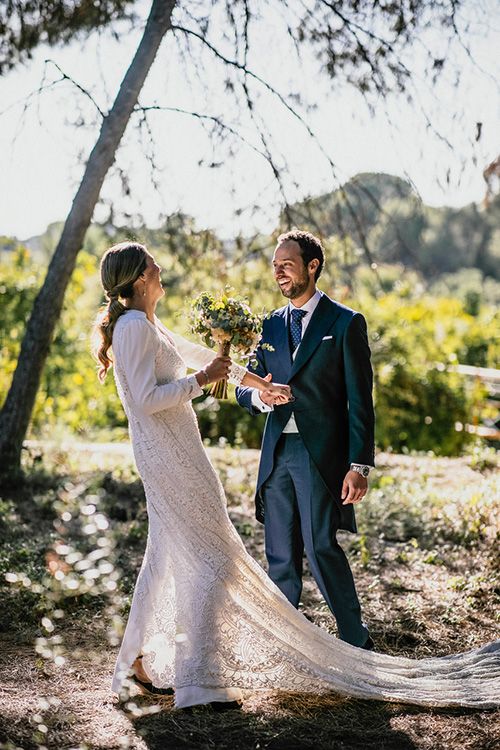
{"x":284,"y":722}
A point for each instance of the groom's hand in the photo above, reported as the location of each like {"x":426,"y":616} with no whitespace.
{"x":354,"y":488}
{"x":276,"y":394}
{"x":267,"y":398}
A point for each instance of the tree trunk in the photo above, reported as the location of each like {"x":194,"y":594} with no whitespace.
{"x":16,"y":412}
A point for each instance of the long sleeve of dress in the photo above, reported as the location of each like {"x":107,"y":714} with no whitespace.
{"x":134,"y":348}
{"x":197,"y":357}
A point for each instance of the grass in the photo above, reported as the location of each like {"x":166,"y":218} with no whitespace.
{"x":425,"y":564}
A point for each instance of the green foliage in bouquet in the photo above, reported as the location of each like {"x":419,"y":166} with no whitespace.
{"x":224,"y":322}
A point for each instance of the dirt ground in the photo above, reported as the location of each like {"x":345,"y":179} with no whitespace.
{"x":421,"y":595}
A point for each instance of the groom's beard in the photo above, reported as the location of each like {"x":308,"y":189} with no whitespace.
{"x":296,"y":288}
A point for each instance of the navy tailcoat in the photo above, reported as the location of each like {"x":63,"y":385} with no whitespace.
{"x":331,"y":379}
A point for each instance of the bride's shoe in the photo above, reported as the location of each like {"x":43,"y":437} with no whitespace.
{"x":147,"y":688}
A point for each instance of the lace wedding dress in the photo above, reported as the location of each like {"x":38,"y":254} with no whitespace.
{"x":206,"y":617}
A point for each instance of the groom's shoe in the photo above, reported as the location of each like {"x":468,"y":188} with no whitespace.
{"x":368,"y":645}
{"x":220,"y":706}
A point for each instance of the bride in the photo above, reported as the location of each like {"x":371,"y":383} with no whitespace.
{"x":206,"y":621}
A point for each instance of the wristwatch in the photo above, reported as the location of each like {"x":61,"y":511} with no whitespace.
{"x":361,"y":469}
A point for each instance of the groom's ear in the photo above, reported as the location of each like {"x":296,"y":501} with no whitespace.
{"x":313,"y":265}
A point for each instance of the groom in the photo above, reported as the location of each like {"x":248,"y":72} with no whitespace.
{"x":318,"y":449}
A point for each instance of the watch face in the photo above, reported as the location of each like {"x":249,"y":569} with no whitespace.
{"x":366,"y":471}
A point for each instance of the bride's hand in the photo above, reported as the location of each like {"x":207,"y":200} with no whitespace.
{"x":218,"y":369}
{"x":276,"y":394}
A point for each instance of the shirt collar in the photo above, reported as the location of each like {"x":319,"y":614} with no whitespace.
{"x":310,"y":305}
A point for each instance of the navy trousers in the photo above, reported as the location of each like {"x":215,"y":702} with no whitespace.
{"x":300,"y":513}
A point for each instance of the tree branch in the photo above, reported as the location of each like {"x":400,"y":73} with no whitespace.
{"x":65,"y":77}
{"x":247,"y":72}
{"x":26,"y":100}
{"x":210,"y":118}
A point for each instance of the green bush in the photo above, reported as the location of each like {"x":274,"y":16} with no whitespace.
{"x":419,"y":411}
{"x":414,"y":337}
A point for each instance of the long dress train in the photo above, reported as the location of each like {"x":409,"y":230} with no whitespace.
{"x":204,"y":614}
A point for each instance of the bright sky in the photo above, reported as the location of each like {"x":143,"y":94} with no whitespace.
{"x":43,"y":148}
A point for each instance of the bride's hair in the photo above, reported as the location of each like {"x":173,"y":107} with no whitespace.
{"x":121,"y":266}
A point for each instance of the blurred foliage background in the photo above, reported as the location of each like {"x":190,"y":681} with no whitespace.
{"x":429,"y":296}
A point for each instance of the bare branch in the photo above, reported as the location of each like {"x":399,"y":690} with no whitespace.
{"x":244,"y":69}
{"x":149,"y":150}
{"x":204,"y":117}
{"x":454,"y":7}
{"x":27,"y":100}
{"x":80,"y":88}
{"x":249,"y":73}
{"x":270,"y":159}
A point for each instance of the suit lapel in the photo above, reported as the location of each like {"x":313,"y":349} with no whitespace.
{"x":323,"y":317}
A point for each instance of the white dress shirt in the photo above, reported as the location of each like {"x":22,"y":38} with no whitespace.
{"x":309,"y":308}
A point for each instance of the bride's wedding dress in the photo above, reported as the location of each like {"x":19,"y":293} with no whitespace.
{"x":206,"y":617}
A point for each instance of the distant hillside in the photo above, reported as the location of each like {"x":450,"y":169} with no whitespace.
{"x":384,"y":218}
{"x":376,"y":217}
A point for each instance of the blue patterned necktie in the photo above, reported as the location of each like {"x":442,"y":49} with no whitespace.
{"x":296,"y":326}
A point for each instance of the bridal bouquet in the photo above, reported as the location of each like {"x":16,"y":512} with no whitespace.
{"x":226,"y":322}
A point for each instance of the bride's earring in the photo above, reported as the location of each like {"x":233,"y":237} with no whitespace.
{"x":144,"y":292}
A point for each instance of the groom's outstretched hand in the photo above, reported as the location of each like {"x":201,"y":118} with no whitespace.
{"x":354,"y":488}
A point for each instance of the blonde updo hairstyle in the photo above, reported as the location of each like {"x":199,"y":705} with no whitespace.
{"x":121,"y":266}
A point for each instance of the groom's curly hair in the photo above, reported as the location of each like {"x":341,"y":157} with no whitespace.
{"x":310,"y":247}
